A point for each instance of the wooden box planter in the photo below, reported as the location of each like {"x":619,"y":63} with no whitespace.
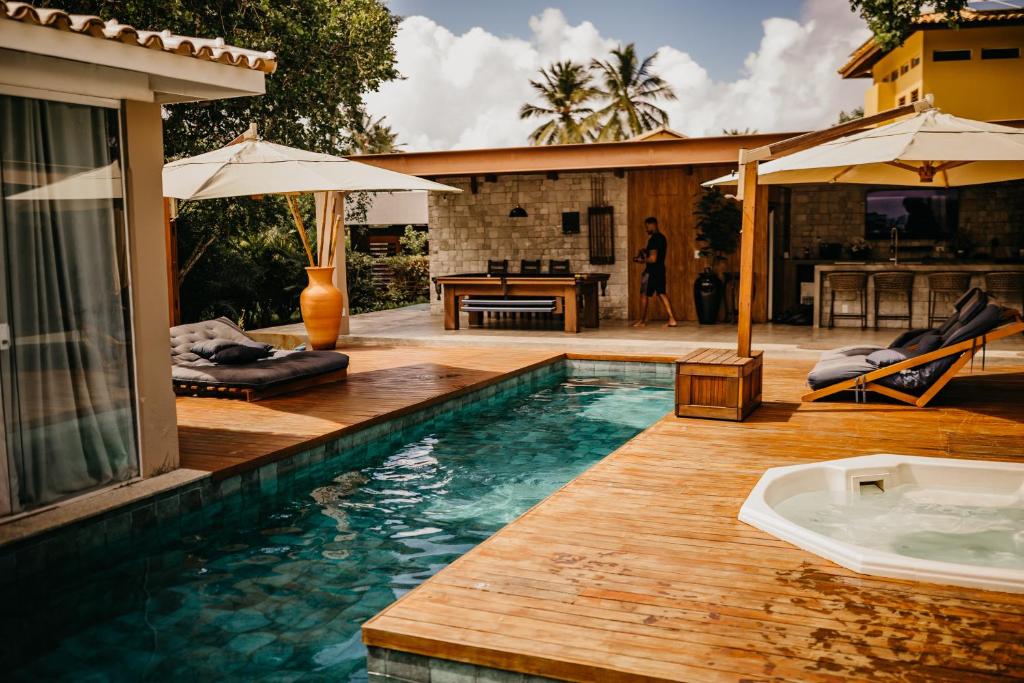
{"x":718,"y":384}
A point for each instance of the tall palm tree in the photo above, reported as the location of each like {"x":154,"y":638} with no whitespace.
{"x":373,"y":136}
{"x":631,"y":88}
{"x":565,"y":89}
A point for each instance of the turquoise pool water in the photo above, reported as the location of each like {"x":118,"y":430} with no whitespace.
{"x":281,"y":597}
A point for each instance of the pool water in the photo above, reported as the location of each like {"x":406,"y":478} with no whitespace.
{"x":965,"y":527}
{"x":282,"y":597}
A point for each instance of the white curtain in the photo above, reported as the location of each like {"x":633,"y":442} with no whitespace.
{"x":68,"y":395}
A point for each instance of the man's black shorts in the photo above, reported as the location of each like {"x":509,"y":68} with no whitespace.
{"x":652,"y":282}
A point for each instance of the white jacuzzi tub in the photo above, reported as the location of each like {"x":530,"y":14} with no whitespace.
{"x":928,"y":519}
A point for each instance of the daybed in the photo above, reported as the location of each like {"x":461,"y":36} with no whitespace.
{"x":916,"y":366}
{"x":216,"y":358}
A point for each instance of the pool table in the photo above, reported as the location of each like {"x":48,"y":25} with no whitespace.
{"x":573,"y":294}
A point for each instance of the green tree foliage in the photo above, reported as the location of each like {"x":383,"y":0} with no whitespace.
{"x":631,"y":89}
{"x":892,"y":21}
{"x":373,"y":136}
{"x":718,"y":222}
{"x":852,"y":115}
{"x":410,"y":283}
{"x":565,"y":88}
{"x":240,"y":257}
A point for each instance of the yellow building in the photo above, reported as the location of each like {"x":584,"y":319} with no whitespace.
{"x":975,"y":71}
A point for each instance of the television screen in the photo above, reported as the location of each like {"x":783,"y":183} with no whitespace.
{"x":917,"y":214}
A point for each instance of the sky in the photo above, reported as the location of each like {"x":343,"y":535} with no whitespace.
{"x":768,"y":65}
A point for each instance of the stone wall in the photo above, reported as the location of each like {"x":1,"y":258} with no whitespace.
{"x":835,"y":213}
{"x":468,"y":229}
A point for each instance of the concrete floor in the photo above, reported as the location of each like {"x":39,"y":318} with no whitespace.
{"x":414,"y":325}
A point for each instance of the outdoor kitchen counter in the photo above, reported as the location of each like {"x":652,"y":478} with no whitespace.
{"x":891,"y":303}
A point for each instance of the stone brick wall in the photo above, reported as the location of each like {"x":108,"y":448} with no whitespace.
{"x":835,"y":213}
{"x":468,"y":229}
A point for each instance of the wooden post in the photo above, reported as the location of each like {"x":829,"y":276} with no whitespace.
{"x":171,"y":242}
{"x":751,"y":207}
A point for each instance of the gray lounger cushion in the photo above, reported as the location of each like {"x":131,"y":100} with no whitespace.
{"x":282,"y":366}
{"x":831,"y":371}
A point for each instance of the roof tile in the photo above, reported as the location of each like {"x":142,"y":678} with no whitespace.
{"x":207,"y":49}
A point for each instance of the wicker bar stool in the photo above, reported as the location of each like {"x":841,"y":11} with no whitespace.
{"x":895,"y":282}
{"x":945,"y":286}
{"x":1007,"y":286}
{"x":848,"y":283}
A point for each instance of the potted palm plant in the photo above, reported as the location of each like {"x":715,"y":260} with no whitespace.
{"x":718,"y":225}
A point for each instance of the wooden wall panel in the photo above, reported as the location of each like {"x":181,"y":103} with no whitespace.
{"x":671,"y":194}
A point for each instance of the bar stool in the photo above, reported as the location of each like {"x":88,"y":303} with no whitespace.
{"x":848,"y":283}
{"x":895,"y":282}
{"x":529,"y":267}
{"x":1006,"y":285}
{"x":945,"y":286}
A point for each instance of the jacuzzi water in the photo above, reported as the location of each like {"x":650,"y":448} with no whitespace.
{"x":282,"y":596}
{"x":949,"y":526}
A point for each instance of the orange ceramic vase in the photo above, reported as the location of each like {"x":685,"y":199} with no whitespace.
{"x":320,"y":303}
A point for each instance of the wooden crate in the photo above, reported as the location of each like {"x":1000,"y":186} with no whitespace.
{"x":718,"y":384}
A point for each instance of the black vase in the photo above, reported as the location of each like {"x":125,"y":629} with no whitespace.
{"x":707,"y":296}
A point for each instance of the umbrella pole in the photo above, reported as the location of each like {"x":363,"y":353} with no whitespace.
{"x":294,"y":206}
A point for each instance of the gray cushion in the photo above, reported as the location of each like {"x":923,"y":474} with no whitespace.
{"x":281,"y":366}
{"x":848,"y":352}
{"x":830,"y":371}
{"x":230,"y":352}
{"x":263,"y":373}
{"x":184,"y":336}
{"x":885,"y":357}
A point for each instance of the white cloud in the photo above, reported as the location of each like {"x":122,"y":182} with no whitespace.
{"x":465,"y":91}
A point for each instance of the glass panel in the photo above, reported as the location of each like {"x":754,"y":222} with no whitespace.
{"x":69,"y":407}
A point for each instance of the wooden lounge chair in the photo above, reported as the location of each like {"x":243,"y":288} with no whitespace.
{"x":278,"y":373}
{"x":921,"y":375}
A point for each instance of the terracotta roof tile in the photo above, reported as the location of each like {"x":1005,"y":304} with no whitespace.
{"x":208,"y":49}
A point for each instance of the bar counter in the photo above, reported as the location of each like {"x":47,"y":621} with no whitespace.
{"x":891,"y":304}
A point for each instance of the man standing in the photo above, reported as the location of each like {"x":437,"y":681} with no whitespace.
{"x":652,"y":282}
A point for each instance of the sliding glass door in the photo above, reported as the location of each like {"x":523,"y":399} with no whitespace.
{"x":66,"y":368}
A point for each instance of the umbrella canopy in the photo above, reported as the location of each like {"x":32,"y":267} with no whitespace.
{"x":101,"y":183}
{"x":928,"y":150}
{"x":257,"y":167}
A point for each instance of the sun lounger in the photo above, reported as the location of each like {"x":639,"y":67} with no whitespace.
{"x":277,"y":372}
{"x":918,"y":364}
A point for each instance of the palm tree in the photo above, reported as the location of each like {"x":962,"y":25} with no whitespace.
{"x":631,"y":88}
{"x":565,"y":88}
{"x":373,"y":136}
{"x":737,"y":131}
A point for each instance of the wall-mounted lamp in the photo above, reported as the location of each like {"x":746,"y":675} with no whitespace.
{"x":517,"y":211}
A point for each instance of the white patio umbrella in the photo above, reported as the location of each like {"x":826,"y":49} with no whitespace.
{"x":927,"y":150}
{"x":257,"y":167}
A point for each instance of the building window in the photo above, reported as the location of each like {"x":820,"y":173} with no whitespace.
{"x":894,"y":75}
{"x":951,"y":55}
{"x":914,"y":61}
{"x":1000,"y":53}
{"x":902,"y":101}
{"x":904,"y":69}
{"x":913,"y":96}
{"x":68,"y":402}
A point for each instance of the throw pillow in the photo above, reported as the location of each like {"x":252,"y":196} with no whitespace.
{"x":230,"y":352}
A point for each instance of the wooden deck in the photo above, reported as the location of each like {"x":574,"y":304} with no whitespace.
{"x":639,"y":569}
{"x":227,"y":436}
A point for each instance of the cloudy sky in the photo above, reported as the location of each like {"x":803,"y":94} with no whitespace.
{"x":763,"y":64}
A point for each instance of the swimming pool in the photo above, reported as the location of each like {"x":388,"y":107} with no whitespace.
{"x":281,"y":595}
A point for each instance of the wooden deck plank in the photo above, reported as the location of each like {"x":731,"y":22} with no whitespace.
{"x":640,"y":570}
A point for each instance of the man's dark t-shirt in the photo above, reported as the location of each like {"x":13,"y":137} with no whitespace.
{"x":657,"y":242}
{"x":653,"y":281}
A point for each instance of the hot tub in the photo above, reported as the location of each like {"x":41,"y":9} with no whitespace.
{"x":949,"y":521}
